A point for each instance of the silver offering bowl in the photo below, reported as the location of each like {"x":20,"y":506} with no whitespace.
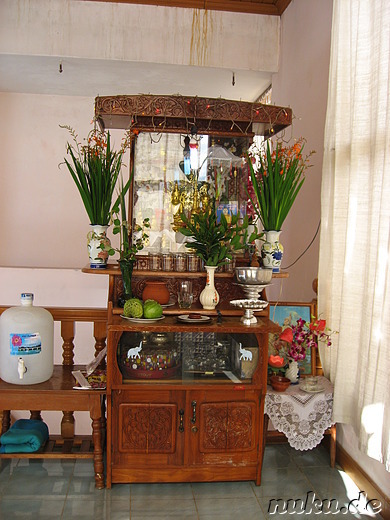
{"x":249,"y":307}
{"x":253,"y":275}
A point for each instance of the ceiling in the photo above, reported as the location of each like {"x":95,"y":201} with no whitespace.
{"x":91,"y":77}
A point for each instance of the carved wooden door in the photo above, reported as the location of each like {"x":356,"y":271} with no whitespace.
{"x":147,"y":428}
{"x":225,"y":427}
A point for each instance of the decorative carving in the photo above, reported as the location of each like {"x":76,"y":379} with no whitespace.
{"x":190,"y":114}
{"x":240,"y":426}
{"x":147,"y":428}
{"x":227,"y":426}
{"x":214,"y":419}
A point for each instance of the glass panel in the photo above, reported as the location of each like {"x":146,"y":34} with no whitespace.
{"x":187,"y":356}
{"x":175,"y":173}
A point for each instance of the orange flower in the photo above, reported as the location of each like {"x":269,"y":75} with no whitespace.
{"x":276,"y":361}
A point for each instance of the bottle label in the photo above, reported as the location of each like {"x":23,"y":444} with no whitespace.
{"x":25,"y":344}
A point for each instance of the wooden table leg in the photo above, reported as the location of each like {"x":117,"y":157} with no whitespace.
{"x":98,"y":452}
{"x":332,"y":430}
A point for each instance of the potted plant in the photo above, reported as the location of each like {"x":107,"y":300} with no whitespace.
{"x":276,"y":178}
{"x":95,"y":168}
{"x":131,"y":240}
{"x":214,"y":241}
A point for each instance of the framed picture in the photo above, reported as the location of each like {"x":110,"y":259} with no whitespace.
{"x":287,"y":314}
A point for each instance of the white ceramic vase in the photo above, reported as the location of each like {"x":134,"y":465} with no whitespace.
{"x":95,"y":238}
{"x":272,"y":251}
{"x":292,"y":373}
{"x":209,"y":297}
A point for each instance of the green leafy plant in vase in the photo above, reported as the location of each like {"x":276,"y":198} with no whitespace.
{"x":214,"y":242}
{"x":276,"y":177}
{"x":95,"y":168}
{"x":132,"y":239}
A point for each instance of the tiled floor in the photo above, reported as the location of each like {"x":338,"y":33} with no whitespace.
{"x":49,"y":489}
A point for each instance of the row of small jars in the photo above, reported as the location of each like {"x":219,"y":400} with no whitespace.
{"x":179,"y":262}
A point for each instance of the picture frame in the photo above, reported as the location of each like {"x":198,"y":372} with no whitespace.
{"x":285,"y":314}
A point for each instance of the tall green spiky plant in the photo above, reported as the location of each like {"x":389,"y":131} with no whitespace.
{"x":94,"y":168}
{"x":214,"y":241}
{"x":276,"y":183}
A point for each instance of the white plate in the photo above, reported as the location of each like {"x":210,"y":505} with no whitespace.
{"x":142,"y":320}
{"x":316,"y":390}
{"x":187,"y":319}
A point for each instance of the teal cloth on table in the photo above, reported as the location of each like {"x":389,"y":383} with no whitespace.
{"x":24,"y":436}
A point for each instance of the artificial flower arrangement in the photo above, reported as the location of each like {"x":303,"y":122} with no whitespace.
{"x":95,"y":167}
{"x":293,"y":342}
{"x":276,"y":177}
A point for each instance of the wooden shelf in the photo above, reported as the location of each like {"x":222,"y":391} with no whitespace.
{"x":113,"y":269}
{"x":80,"y":447}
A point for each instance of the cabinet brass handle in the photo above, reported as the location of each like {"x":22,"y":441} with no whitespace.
{"x":193,"y":404}
{"x":194,"y":429}
{"x":181,"y":425}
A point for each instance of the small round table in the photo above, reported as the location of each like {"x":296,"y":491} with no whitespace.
{"x":302,"y":416}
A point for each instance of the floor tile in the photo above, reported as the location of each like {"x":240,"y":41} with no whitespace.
{"x":229,"y":508}
{"x":162,"y":507}
{"x":183,"y":491}
{"x":33,"y":509}
{"x":96,"y":509}
{"x":222,"y":489}
{"x":45,"y":467}
{"x":278,"y":456}
{"x":22,"y":485}
{"x":277,"y":482}
{"x":317,"y":457}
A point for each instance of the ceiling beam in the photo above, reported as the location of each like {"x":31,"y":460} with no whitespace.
{"x":270,"y":7}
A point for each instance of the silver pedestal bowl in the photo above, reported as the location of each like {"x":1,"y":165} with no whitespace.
{"x":249,"y":307}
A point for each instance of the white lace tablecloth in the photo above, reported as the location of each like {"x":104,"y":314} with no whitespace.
{"x":301,"y":416}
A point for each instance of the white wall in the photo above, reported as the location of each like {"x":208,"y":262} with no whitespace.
{"x":302,"y":84}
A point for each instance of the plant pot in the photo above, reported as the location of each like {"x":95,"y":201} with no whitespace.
{"x":97,"y":238}
{"x":156,"y":290}
{"x":272,"y":251}
{"x":209,"y":297}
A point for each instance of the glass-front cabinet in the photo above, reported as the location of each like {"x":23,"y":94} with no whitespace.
{"x":185,"y":401}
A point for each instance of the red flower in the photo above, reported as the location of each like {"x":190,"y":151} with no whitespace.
{"x":287,"y":335}
{"x":276,"y":361}
{"x":318,"y":326}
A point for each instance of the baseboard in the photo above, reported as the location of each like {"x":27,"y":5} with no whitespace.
{"x":362,"y":480}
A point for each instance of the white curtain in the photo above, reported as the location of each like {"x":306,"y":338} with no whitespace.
{"x":354,"y":276}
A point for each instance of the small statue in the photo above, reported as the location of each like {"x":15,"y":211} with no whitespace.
{"x":246,"y":355}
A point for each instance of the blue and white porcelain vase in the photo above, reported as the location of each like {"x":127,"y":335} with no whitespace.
{"x":272,"y":251}
{"x":96,"y":239}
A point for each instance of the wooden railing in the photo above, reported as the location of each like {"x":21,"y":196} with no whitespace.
{"x":68,"y":317}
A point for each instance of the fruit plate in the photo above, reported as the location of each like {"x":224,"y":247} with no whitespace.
{"x":311,"y":390}
{"x":142,"y":320}
{"x":186,"y":319}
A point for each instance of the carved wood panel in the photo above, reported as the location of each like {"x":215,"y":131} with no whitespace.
{"x":147,"y":428}
{"x":227,"y":426}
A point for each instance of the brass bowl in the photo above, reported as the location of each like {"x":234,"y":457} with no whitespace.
{"x":279,"y":383}
{"x":253,"y":275}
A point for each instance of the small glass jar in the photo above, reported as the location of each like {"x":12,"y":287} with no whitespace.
{"x":192,"y":263}
{"x":229,"y":266}
{"x":154,"y":261}
{"x":180,"y":262}
{"x":167,"y":262}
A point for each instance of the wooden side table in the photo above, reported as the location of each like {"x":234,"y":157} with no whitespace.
{"x":57,"y":394}
{"x":303,"y":417}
